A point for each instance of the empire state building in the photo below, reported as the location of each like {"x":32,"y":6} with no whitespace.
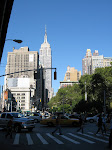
{"x":45,"y":59}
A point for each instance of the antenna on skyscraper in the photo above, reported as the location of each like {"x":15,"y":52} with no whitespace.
{"x":45,"y":37}
{"x":45,"y":29}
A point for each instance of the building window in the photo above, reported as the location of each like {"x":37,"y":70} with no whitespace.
{"x":22,"y":104}
{"x":22,"y":97}
{"x":22,"y":108}
{"x":23,"y":94}
{"x":23,"y":101}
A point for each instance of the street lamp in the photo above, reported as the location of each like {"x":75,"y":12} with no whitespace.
{"x":15,"y":40}
{"x":85,"y":92}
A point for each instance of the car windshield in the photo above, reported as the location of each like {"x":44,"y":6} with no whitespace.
{"x":34,"y":114}
{"x":64,"y":117}
{"x":17,"y":115}
{"x":53,"y":117}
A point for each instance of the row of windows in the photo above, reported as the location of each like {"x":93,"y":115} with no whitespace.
{"x":21,"y":101}
{"x":43,"y":52}
{"x":19,"y":94}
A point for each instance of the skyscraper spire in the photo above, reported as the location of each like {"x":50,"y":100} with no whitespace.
{"x":45,"y":37}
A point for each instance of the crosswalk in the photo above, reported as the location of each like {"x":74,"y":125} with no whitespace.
{"x":48,"y":138}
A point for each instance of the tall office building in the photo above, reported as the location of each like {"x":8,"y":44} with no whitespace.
{"x":97,"y":61}
{"x":86,"y":63}
{"x":20,"y":60}
{"x":21,"y":84}
{"x":45,"y":59}
{"x":91,"y":62}
{"x":72,"y":76}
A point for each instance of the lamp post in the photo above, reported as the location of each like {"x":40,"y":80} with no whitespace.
{"x":85,"y":92}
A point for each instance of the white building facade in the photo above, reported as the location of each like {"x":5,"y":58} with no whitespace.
{"x":45,"y":59}
{"x":91,"y":62}
{"x":21,"y":82}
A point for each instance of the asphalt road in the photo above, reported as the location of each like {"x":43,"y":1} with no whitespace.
{"x":42,"y":139}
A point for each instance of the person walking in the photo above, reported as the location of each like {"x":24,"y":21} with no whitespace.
{"x":58,"y":127}
{"x":99,"y":125}
{"x":9,"y":127}
{"x":81,"y":122}
{"x":104,"y":123}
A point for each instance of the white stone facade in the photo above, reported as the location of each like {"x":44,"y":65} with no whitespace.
{"x":45,"y":59}
{"x":20,"y":82}
{"x":91,"y":62}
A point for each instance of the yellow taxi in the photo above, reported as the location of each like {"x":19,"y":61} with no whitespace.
{"x":64,"y":120}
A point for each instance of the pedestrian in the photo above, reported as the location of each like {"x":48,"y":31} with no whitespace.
{"x":9,"y":127}
{"x":58,"y":127}
{"x":99,"y":125}
{"x":104,"y":123}
{"x":110,"y":136}
{"x":81,"y":122}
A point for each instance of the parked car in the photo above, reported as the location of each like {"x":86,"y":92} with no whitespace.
{"x":36,"y":116}
{"x":19,"y":121}
{"x":65,"y":120}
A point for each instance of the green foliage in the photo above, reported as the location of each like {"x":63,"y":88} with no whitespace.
{"x":66,"y":97}
{"x":72,"y":98}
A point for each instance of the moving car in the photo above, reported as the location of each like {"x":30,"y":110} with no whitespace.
{"x":77,"y":116}
{"x":65,"y":120}
{"x":36,"y":116}
{"x":90,"y":118}
{"x":19,"y":121}
{"x":94,"y":118}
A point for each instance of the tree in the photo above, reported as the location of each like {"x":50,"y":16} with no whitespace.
{"x":66,"y":98}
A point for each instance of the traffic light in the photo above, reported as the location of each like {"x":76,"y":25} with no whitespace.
{"x":55,"y":75}
{"x":37,"y":74}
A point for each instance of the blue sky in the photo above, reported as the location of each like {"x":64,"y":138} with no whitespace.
{"x":73,"y":26}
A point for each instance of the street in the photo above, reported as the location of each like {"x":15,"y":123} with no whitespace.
{"x":42,"y":139}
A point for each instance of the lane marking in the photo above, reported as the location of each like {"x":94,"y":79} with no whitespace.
{"x":86,"y":140}
{"x":54,"y":138}
{"x":41,"y":138}
{"x":69,"y":139}
{"x":16,"y":140}
{"x":30,"y":142}
{"x":93,"y":137}
{"x":100,"y":135}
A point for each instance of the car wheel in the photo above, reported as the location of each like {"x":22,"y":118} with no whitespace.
{"x":91,"y":120}
{"x":50,"y":124}
{"x":17,"y":128}
{"x":30,"y":129}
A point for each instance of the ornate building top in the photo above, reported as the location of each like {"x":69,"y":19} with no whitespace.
{"x":45,"y":44}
